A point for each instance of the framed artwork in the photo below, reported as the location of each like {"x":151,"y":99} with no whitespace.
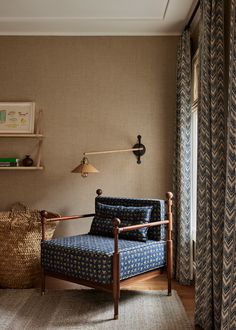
{"x":195,"y":77}
{"x":17,"y":117}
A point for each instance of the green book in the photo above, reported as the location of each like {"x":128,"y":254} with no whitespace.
{"x":9,"y":160}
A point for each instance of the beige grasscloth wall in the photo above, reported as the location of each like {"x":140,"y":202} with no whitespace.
{"x":97,"y":93}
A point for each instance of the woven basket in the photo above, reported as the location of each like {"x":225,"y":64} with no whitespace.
{"x":20,"y":237}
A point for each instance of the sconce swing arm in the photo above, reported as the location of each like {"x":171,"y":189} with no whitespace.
{"x":138,"y":149}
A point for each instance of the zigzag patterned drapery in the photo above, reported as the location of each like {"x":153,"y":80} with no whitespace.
{"x":182,"y":165}
{"x":228,"y":312}
{"x":211,"y":167}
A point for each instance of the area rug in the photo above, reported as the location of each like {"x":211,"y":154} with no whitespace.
{"x":90,"y":309}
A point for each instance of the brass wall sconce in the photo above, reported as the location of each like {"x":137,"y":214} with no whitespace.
{"x":85,"y":167}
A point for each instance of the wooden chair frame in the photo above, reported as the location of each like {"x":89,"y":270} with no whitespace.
{"x":116,"y":284}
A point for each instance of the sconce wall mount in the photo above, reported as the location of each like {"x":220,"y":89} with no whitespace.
{"x":141,"y":149}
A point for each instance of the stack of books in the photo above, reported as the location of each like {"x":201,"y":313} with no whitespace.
{"x":9,"y":162}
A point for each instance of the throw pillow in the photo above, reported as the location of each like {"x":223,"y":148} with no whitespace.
{"x":129,"y":216}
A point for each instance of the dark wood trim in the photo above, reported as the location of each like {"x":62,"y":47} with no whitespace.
{"x":116,"y":268}
{"x":74,"y":217}
{"x":43,"y":223}
{"x":108,"y":288}
{"x":169,"y":246}
{"x":99,"y":192}
{"x":44,"y":215}
{"x":169,"y":215}
{"x":169,"y":265}
{"x":105,"y":287}
{"x":42,"y":282}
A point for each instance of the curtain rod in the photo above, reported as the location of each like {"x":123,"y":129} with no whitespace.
{"x":193,"y":15}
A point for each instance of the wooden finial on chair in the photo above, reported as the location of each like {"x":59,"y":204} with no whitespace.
{"x":169,"y":195}
{"x":43,"y":214}
{"x":99,"y":192}
{"x":116,"y":222}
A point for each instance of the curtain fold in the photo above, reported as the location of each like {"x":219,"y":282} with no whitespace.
{"x":228,"y":313}
{"x":211,"y":167}
{"x":182,"y":164}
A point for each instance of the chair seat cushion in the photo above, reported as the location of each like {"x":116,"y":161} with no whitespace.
{"x":89,"y":257}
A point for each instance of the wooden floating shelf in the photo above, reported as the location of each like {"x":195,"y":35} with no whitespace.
{"x":21,"y":168}
{"x":13,"y":135}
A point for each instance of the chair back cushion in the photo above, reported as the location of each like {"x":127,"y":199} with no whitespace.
{"x":129,"y":215}
{"x":157,"y":214}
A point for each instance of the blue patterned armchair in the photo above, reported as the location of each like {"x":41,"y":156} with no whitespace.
{"x":129,"y":240}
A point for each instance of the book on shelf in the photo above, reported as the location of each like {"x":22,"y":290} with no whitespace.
{"x":9,"y":164}
{"x":9,"y":160}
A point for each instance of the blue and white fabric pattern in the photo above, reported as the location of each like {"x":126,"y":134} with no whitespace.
{"x":131,"y":215}
{"x":89,"y":257}
{"x":158,"y":211}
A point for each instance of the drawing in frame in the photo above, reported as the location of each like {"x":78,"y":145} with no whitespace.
{"x":17,"y":117}
{"x":195,"y":77}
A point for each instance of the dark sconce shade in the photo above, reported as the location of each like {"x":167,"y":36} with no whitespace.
{"x":85,"y":167}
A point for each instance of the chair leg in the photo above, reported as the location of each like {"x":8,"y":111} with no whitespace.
{"x":169,"y":265}
{"x":116,"y":297}
{"x":169,"y":286}
{"x":116,"y":278}
{"x":116,"y":308}
{"x":42,"y":283}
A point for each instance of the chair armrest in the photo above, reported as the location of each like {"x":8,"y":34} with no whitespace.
{"x":46,"y":216}
{"x":135,"y":227}
{"x":116,"y":222}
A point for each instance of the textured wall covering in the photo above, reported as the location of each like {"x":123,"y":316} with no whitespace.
{"x":97,"y":93}
{"x":182,"y":163}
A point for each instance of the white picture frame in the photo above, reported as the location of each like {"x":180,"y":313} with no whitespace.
{"x":17,"y":117}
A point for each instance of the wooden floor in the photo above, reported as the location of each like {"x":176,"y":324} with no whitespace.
{"x":186,"y":293}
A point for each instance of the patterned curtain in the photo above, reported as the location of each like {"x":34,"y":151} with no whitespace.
{"x":211,"y":167}
{"x":182,"y":159}
{"x":228,"y":314}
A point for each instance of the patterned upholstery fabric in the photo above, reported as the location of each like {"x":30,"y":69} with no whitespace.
{"x":89,"y":257}
{"x":158,"y":211}
{"x":102,"y":222}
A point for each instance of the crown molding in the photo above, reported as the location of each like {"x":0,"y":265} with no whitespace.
{"x":90,"y":34}
{"x":91,"y":26}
